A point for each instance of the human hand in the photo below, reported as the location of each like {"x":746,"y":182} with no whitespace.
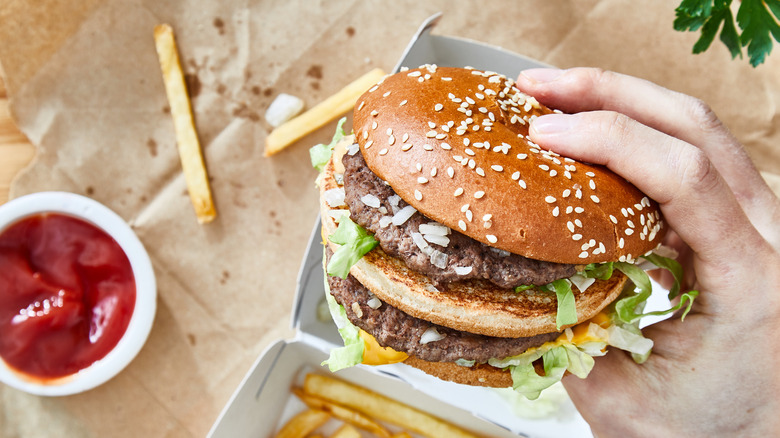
{"x":713,"y":374}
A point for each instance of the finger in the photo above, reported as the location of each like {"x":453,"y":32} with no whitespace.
{"x":676,"y":114}
{"x":693,"y":196}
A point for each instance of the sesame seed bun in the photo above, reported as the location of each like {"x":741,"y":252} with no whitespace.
{"x":453,"y":143}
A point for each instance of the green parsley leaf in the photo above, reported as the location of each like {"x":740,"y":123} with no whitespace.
{"x":756,"y":18}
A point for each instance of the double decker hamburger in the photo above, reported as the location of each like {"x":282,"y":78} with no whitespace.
{"x":456,"y":245}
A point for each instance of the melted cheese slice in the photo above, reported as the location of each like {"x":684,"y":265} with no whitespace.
{"x":375,"y":354}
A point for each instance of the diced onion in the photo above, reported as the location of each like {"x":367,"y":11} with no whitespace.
{"x":434,"y":228}
{"x":431,"y":335}
{"x":374,"y":303}
{"x":403,"y":215}
{"x":439,"y":240}
{"x":370,"y":200}
{"x":334,"y":197}
{"x":282,"y":109}
{"x":462,"y":270}
{"x":384,"y":221}
{"x":582,"y":282}
{"x":353,"y":149}
{"x":439,"y":259}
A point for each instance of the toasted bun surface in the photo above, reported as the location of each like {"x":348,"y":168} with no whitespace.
{"x":477,"y":375}
{"x":473,"y":306}
{"x":453,"y":144}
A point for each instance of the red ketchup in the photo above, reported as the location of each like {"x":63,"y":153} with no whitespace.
{"x":67,"y":293}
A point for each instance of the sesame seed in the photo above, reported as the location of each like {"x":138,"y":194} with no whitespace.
{"x":522,"y":183}
{"x":621,"y":243}
{"x":584,"y":254}
{"x":434,"y":171}
{"x":472,"y":164}
{"x":549,"y":199}
{"x":446,"y":79}
{"x":491,"y":238}
{"x":431,"y":125}
{"x":553,"y":172}
{"x":418,"y":166}
{"x":374,"y":113}
{"x":570,"y":226}
{"x":427,"y":147}
{"x":438,"y":107}
{"x":383,"y":151}
{"x":391,"y":140}
{"x":403,"y":102}
{"x":555,"y":211}
{"x":458,"y":191}
{"x":431,"y":134}
{"x":630,"y":223}
{"x":629,"y":231}
{"x":372,"y":89}
{"x":386,"y":94}
{"x":479,"y":194}
{"x":450,"y":172}
{"x":469,"y":152}
{"x":464,"y":208}
{"x":362,"y":104}
{"x":417,"y":195}
{"x":544,"y":167}
{"x":497,"y":168}
{"x":414,"y":74}
{"x":569,"y":209}
{"x":566,"y":193}
{"x":522,"y":156}
{"x":590,"y":174}
{"x":480,"y":172}
{"x":422,"y":180}
{"x":579,"y":210}
{"x":469,"y":215}
{"x":576,"y":236}
{"x":487,"y":217}
{"x":470,"y":100}
{"x":462,"y":225}
{"x":374,"y":125}
{"x":406,"y":147}
{"x":578,"y":223}
{"x":369,"y":143}
{"x":516,"y":176}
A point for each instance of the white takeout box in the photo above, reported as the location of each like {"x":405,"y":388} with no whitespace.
{"x":263,"y":401}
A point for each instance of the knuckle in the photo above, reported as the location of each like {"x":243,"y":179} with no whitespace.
{"x":699,"y":172}
{"x":703,"y":115}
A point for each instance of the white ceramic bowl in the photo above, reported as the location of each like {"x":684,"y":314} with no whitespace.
{"x":146,"y":290}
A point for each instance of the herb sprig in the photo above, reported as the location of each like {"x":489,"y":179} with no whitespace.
{"x":757,"y":19}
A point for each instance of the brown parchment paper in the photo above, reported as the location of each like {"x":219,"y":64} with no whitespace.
{"x":86,"y":89}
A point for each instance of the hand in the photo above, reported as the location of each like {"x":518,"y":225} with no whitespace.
{"x":715,"y":373}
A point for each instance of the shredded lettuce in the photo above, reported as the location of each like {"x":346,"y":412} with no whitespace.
{"x":355,"y":241}
{"x":629,"y":309}
{"x":320,"y":154}
{"x":567,"y":309}
{"x":351,"y":353}
{"x":601,"y":271}
{"x":556,"y":361}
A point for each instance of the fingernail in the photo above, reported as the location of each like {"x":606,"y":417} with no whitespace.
{"x":552,"y":124}
{"x":542,"y":75}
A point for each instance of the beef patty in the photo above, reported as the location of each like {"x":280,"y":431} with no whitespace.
{"x":462,"y":258}
{"x":402,"y":332}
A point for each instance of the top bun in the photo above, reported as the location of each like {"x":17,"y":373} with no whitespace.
{"x":453,"y":143}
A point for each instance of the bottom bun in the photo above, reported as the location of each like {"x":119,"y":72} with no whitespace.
{"x":477,"y":375}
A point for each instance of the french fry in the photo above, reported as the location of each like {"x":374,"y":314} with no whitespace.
{"x":380,"y":407}
{"x":346,"y":431}
{"x":322,"y":113}
{"x":303,"y":424}
{"x":190,"y":152}
{"x":344,"y":414}
{"x":402,"y":435}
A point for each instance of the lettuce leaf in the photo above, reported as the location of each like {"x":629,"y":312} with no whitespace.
{"x":355,"y":242}
{"x":629,"y":309}
{"x":601,"y":271}
{"x":567,"y":310}
{"x":320,"y":154}
{"x":351,"y":353}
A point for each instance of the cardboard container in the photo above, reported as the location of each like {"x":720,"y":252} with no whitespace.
{"x":263,"y":401}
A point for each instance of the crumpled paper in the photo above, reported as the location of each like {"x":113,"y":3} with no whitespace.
{"x":86,"y":90}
